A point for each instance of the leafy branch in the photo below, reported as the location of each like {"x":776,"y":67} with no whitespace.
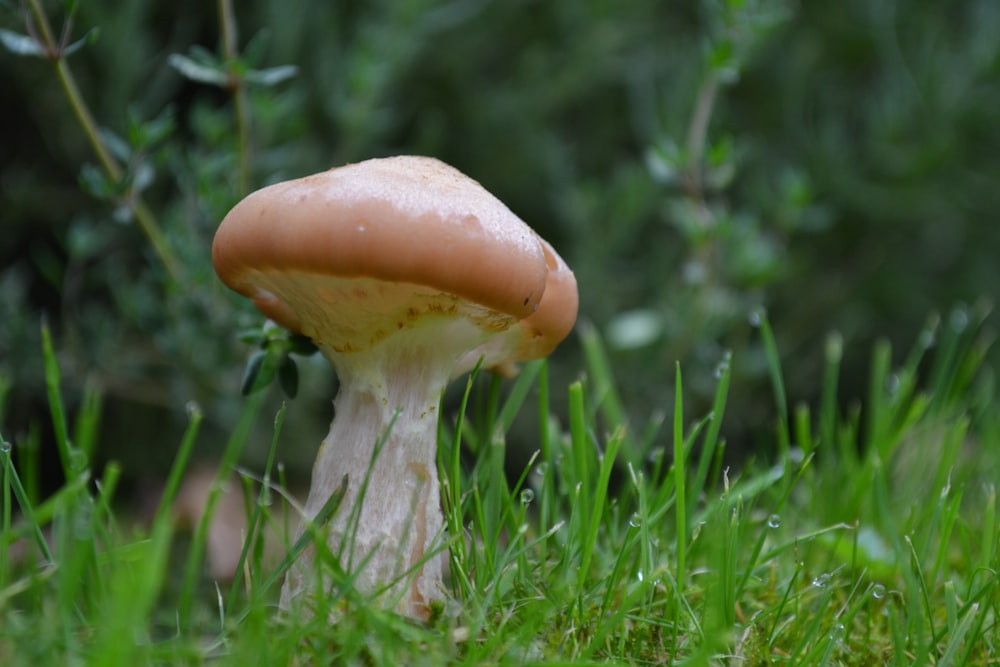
{"x":232,"y":73}
{"x":40,"y":41}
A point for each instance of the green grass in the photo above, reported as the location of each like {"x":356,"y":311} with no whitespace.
{"x":870,"y":538}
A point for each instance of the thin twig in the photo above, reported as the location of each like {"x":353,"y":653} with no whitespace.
{"x":143,"y":215}
{"x":241,"y":105}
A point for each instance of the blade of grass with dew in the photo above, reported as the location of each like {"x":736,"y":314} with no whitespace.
{"x":546,"y":469}
{"x":502,"y":496}
{"x":87,"y":423}
{"x":102,"y":522}
{"x":581,"y":447}
{"x":595,"y":506}
{"x":520,"y":497}
{"x":29,"y":460}
{"x":989,"y":539}
{"x":802,"y":429}
{"x":711,"y":440}
{"x":7,"y":514}
{"x":680,"y":475}
{"x":758,"y":546}
{"x":253,"y":524}
{"x":833,"y":352}
{"x":33,"y":517}
{"x":777,"y":381}
{"x":948,"y":352}
{"x":637,"y":533}
{"x":130,"y":596}
{"x":310,"y":535}
{"x":196,"y":552}
{"x":450,"y":472}
{"x":606,"y":398}
{"x":516,"y":396}
{"x":179,"y":465}
{"x":58,"y":413}
{"x":957,"y":641}
{"x":877,"y":427}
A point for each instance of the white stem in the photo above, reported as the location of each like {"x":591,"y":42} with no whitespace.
{"x":391,"y":512}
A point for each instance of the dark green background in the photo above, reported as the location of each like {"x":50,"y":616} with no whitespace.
{"x":850,"y":166}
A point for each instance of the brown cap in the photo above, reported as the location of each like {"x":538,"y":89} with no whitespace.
{"x":537,"y":335}
{"x":406,"y":219}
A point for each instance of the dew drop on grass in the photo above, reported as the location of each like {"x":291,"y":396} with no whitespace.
{"x":878,"y":591}
{"x":527,"y":495}
{"x":773,"y":521}
{"x":723,"y":366}
{"x":821,"y":581}
{"x":4,"y":447}
{"x":635,"y":520}
{"x":640,"y":576}
{"x":192,"y":409}
{"x":756,"y":317}
{"x":541,"y":469}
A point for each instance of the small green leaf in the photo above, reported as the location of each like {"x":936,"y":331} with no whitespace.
{"x":252,"y":336}
{"x":95,"y":182}
{"x":143,"y":176}
{"x":148,"y":134}
{"x":271,"y":76}
{"x":300,"y":344}
{"x":22,"y":45}
{"x":288,"y":376}
{"x":116,"y":144}
{"x":199,"y":72}
{"x":88,"y":38}
{"x":255,"y":375}
{"x":724,"y":59}
{"x":664,"y":160}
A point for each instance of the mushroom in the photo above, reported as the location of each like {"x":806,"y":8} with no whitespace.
{"x":405,"y":273}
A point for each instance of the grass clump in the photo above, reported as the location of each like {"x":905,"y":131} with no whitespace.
{"x":870,"y":539}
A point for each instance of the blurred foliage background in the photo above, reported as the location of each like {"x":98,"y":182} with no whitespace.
{"x":694,"y":161}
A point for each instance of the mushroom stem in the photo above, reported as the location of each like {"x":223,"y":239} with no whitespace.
{"x":390,"y":521}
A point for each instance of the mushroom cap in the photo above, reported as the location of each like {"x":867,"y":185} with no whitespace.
{"x":537,"y":335}
{"x":405,"y":220}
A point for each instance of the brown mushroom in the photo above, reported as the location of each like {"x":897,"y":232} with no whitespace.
{"x":405,"y":273}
